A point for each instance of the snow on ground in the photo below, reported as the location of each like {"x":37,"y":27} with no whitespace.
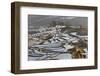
{"x":54,"y":47}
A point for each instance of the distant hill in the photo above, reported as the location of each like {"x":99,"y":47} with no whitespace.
{"x":35,"y":21}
